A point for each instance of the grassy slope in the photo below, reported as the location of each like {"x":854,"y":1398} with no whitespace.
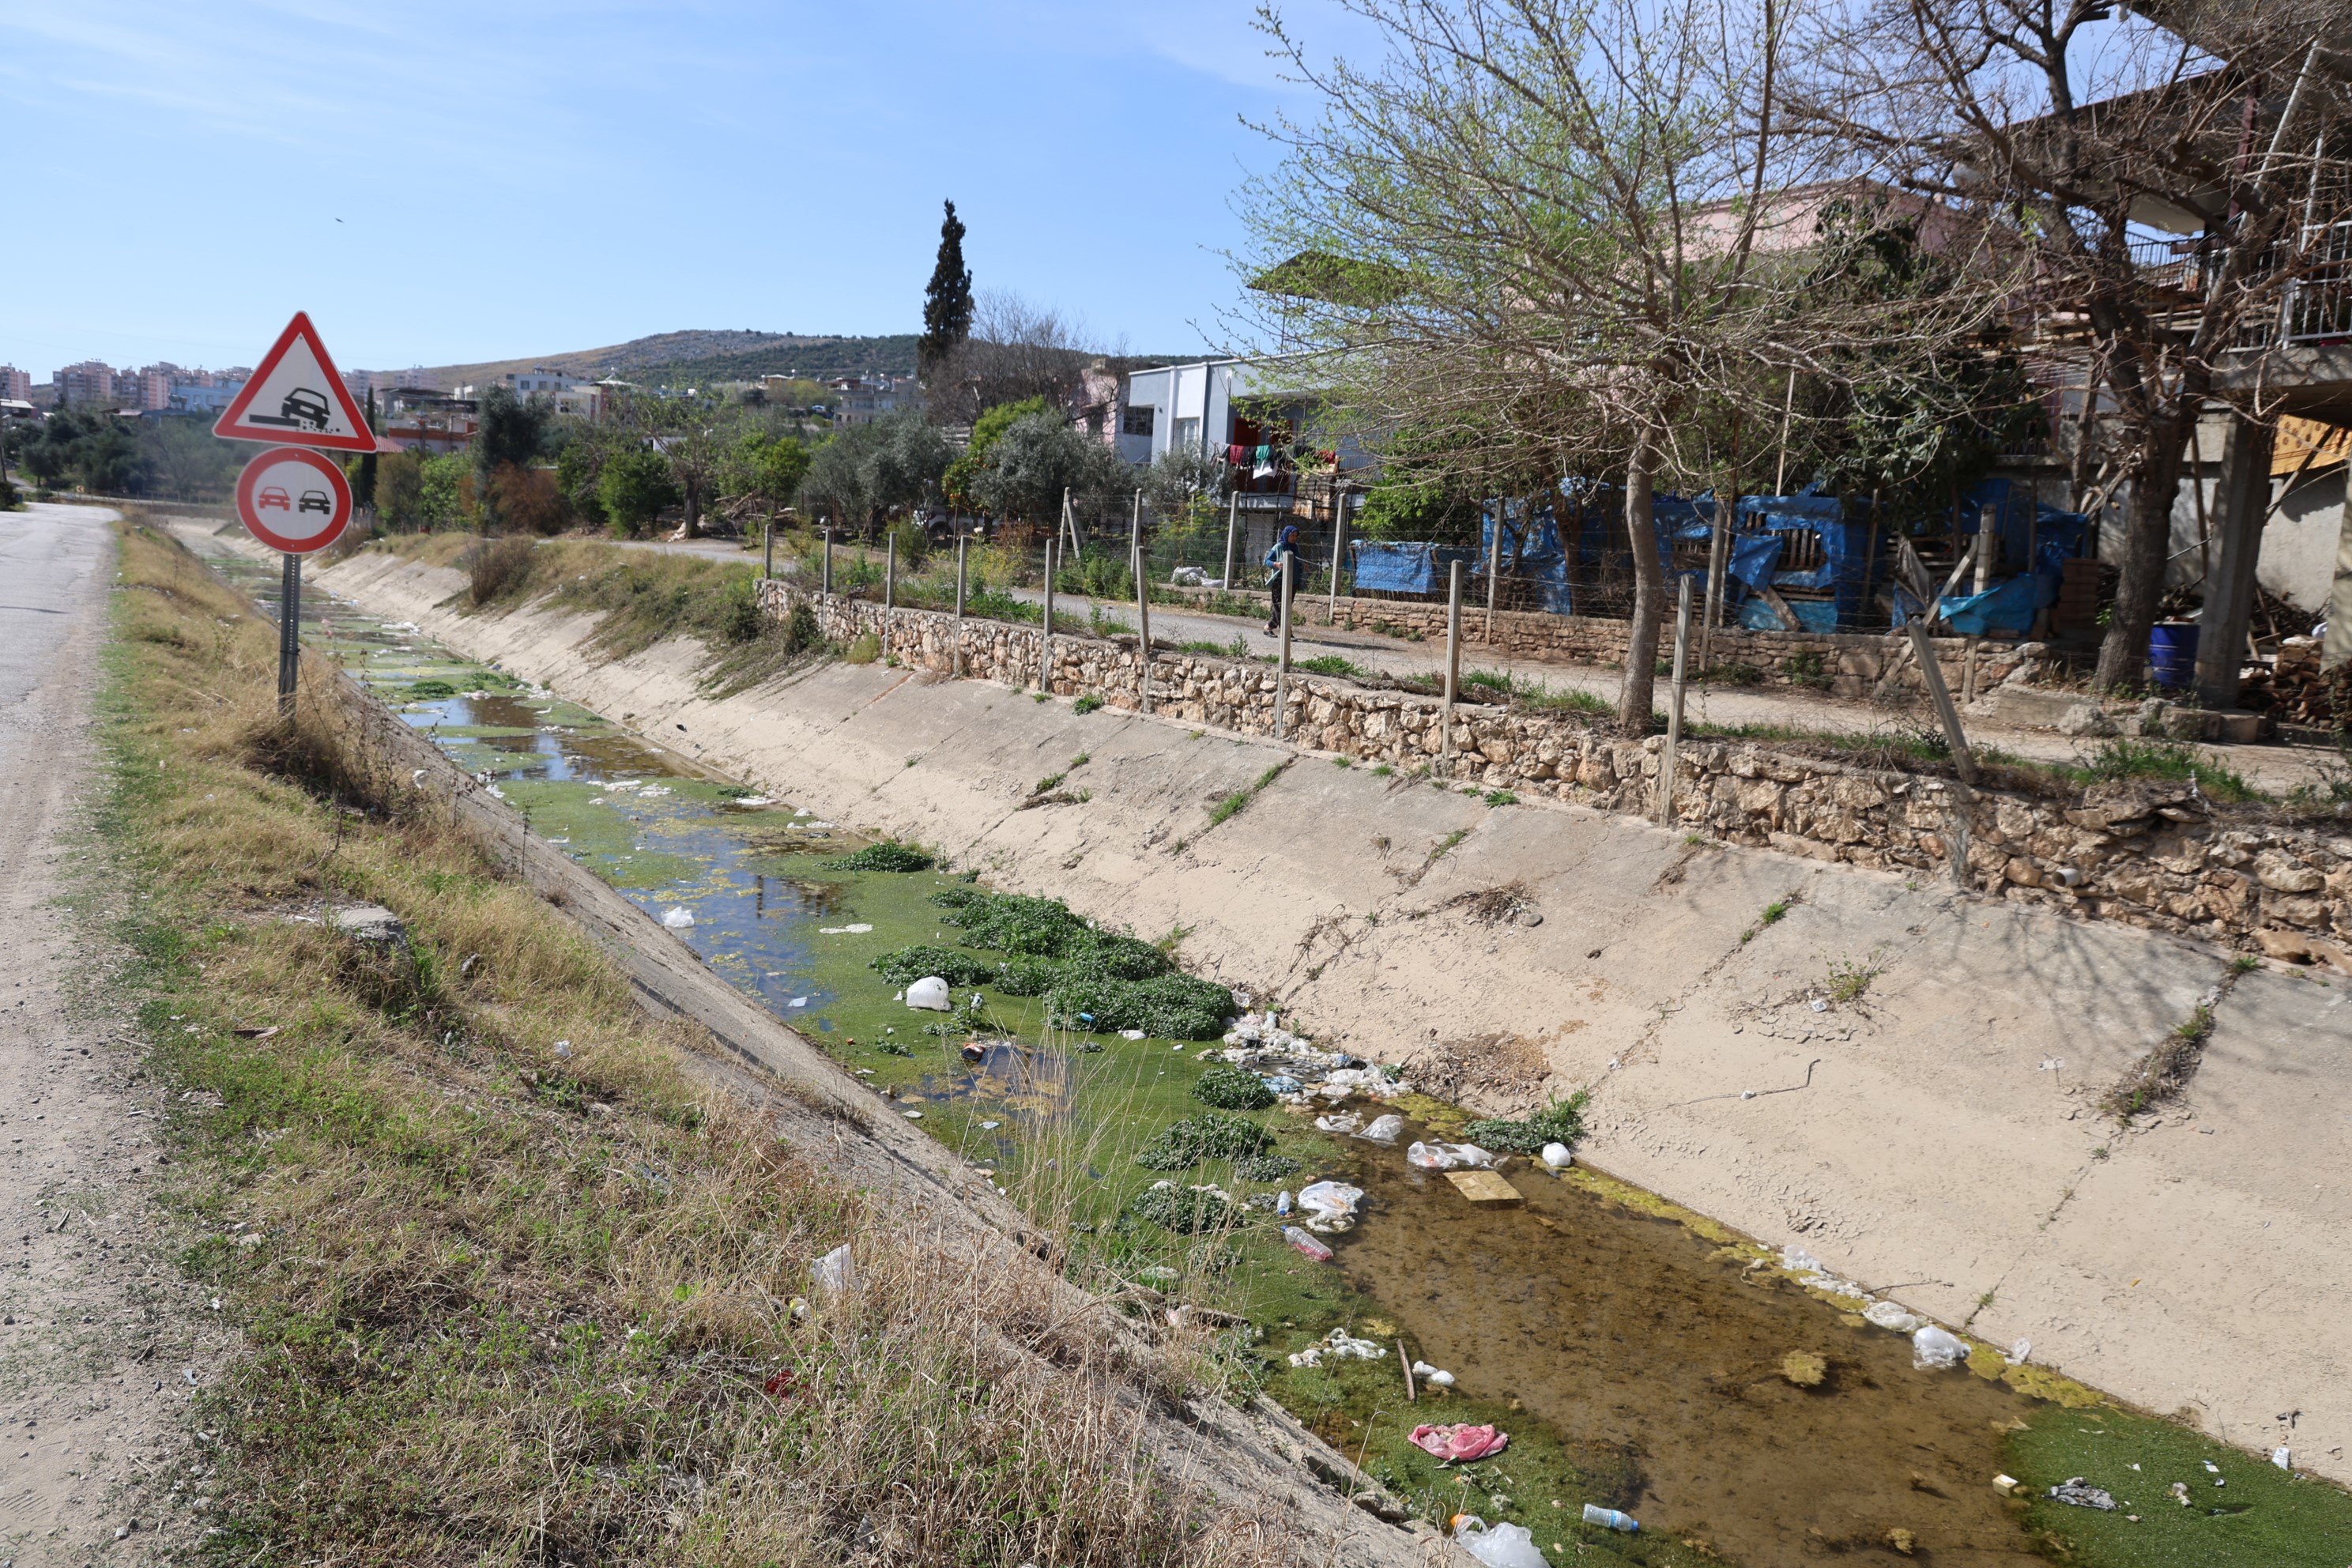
{"x":509,"y":1301}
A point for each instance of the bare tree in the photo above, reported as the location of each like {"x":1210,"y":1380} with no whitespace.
{"x":1016,"y":351}
{"x":2161,"y":194}
{"x":1566,"y":234}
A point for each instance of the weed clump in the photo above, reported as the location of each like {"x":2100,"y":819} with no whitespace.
{"x":1092,"y":979}
{"x":1561,"y":1121}
{"x":1212,"y":1135}
{"x":1186,"y":1213}
{"x":886,"y":856}
{"x":1233,"y":1089}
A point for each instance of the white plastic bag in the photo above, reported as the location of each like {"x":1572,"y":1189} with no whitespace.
{"x":1330,"y":1206}
{"x":929,"y":993}
{"x":678,"y":919}
{"x":1557,"y":1156}
{"x":835,"y":1274}
{"x":1887,"y":1315}
{"x":1448,"y":1156}
{"x":1505,"y":1546}
{"x":1933,"y":1348}
{"x":1384,"y":1129}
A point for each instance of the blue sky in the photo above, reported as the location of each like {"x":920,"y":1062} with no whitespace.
{"x":440,"y":182}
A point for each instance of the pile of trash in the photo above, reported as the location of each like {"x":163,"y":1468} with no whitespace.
{"x":1338,"y":1345}
{"x":1299,"y":1073}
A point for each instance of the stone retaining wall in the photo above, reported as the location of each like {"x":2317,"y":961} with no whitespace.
{"x":2149,"y":853}
{"x":1845,"y":664}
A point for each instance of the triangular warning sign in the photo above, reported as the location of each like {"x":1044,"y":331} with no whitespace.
{"x":296,"y":399}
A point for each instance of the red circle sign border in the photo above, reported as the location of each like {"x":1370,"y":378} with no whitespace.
{"x":249,"y":514}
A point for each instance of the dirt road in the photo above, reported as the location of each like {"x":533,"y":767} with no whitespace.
{"x":101,"y":1345}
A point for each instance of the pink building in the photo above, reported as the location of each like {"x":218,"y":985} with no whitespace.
{"x":15,"y":385}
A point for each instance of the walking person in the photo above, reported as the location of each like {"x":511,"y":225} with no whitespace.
{"x":1286,"y":545}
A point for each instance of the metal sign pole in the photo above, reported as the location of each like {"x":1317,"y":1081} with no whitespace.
{"x":290,"y":633}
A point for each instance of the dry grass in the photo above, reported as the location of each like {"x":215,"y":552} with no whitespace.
{"x":527,"y":1286}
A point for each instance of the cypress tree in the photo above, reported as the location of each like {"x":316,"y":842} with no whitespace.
{"x":947,"y":299}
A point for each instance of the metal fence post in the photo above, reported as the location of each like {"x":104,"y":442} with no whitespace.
{"x":1338,"y":554}
{"x":1233,"y":535}
{"x":962,"y":548}
{"x":768,"y":535}
{"x":889,"y":589}
{"x":824,"y":582}
{"x":1143,"y":630}
{"x":1670,"y":757}
{"x":1282,"y":658}
{"x":1452,"y":657}
{"x":1045,"y":635}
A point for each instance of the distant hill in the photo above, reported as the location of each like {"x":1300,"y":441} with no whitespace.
{"x":691,"y":358}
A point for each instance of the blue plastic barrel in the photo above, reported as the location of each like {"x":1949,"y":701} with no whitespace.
{"x":2172,"y":653}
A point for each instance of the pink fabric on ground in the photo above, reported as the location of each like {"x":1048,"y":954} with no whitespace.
{"x":1462,"y":1444}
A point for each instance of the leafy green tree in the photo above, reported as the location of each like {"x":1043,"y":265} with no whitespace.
{"x":1039,"y":456}
{"x":868,"y":470}
{"x":783,"y":466}
{"x":633,"y":489}
{"x":90,"y":446}
{"x":509,"y":433}
{"x":400,"y":490}
{"x":986,"y":431}
{"x":445,"y":495}
{"x":947,"y":299}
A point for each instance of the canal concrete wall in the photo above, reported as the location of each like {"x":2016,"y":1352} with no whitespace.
{"x":1857,"y":1061}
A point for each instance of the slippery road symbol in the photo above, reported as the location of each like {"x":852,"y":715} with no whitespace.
{"x":301,"y":409}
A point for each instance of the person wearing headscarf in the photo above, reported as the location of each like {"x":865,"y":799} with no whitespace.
{"x":1287,"y":544}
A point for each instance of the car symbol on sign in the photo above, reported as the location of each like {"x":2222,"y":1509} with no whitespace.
{"x":301,"y":409}
{"x":272,"y":496}
{"x":316,"y":501}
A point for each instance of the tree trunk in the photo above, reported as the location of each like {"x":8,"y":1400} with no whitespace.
{"x":693,"y":508}
{"x":2148,"y":544}
{"x":1633,"y":700}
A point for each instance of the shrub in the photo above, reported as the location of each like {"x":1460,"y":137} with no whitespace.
{"x":1088,"y":704}
{"x":865,"y":650}
{"x":1212,"y":1135}
{"x":1267,"y":1167}
{"x":498,"y":569}
{"x":1561,"y":1121}
{"x":1233,"y":1089}
{"x":1185,"y":1213}
{"x":430,"y":692}
{"x":885,"y":856}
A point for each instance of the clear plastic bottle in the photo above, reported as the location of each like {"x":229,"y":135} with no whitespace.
{"x":1609,"y":1519}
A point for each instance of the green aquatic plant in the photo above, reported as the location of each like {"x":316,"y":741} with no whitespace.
{"x":886,"y":856}
{"x":1183,"y":1212}
{"x":1212,"y":1135}
{"x":1233,"y":1089}
{"x":1561,"y":1121}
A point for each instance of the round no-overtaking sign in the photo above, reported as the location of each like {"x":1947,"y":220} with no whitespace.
{"x":294,"y":500}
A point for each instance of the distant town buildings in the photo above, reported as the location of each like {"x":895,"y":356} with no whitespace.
{"x":15,"y":385}
{"x":861,"y":400}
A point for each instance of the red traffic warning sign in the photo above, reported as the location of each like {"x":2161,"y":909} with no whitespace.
{"x":294,"y":500}
{"x":295,"y":398}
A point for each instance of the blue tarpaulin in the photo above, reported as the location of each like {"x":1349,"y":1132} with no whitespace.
{"x":1403,"y":566}
{"x":1530,"y":550}
{"x":2005,"y":611}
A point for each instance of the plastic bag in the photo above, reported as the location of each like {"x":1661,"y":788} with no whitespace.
{"x":929,"y":993}
{"x":1332,"y":1204}
{"x":1448,"y":1156}
{"x":836,"y":1273}
{"x":1887,"y":1315}
{"x":1505,"y":1546}
{"x":1558,"y":1156}
{"x":1384,"y":1129}
{"x":1932,"y":1348}
{"x":1341,"y":1121}
{"x":678,"y":918}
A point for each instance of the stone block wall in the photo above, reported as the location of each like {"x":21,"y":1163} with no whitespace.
{"x":1845,"y":664}
{"x":2150,"y":854}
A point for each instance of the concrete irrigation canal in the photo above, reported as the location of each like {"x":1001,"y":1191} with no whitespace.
{"x":1738,"y":1400}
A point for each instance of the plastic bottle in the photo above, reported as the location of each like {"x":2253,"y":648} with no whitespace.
{"x":1609,"y":1519}
{"x":1282,"y":1203}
